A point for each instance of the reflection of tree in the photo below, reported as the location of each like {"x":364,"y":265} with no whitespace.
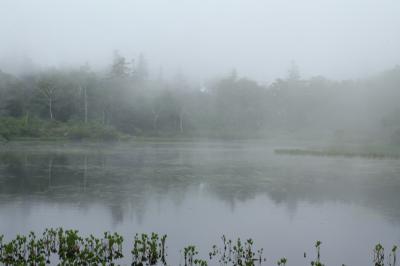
{"x":85,"y":166}
{"x":117,"y":214}
{"x":128,"y":179}
{"x":50,"y":170}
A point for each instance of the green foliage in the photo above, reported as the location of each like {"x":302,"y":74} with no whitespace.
{"x":317,"y":261}
{"x":149,"y":249}
{"x":189,"y":254}
{"x":71,"y":249}
{"x":379,"y":255}
{"x":237,"y":253}
{"x":67,"y":247}
{"x":392,"y":256}
{"x":19,"y":127}
{"x":11,"y":128}
{"x":129,"y":101}
{"x":92,"y":132}
{"x":282,"y":262}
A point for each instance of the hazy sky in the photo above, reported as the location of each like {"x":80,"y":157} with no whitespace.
{"x":335,"y":38}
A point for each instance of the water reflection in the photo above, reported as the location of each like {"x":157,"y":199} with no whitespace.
{"x":132,"y":175}
{"x":197,"y":191}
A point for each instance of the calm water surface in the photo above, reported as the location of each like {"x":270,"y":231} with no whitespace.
{"x":197,"y":191}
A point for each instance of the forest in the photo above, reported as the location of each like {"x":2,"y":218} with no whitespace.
{"x":127,"y":100}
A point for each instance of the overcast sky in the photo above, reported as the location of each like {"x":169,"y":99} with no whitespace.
{"x":202,"y":38}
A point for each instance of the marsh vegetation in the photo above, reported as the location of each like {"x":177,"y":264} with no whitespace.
{"x":67,"y":247}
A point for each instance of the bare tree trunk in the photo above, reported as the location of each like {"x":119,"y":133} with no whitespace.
{"x":48,"y":92}
{"x":86,"y":105}
{"x":51,"y":108}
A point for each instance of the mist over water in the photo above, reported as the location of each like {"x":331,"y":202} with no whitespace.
{"x":272,"y":120}
{"x":195,"y":192}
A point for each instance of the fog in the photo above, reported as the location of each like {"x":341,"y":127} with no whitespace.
{"x":255,"y":68}
{"x":277,"y":121}
{"x":338,"y":39}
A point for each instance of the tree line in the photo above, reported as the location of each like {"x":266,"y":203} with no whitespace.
{"x":127,"y":99}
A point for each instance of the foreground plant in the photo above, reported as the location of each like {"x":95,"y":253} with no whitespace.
{"x":237,"y":253}
{"x":68,"y":245}
{"x":149,"y":250}
{"x":59,"y":247}
{"x":282,"y":262}
{"x":392,"y":256}
{"x":189,"y":255}
{"x":317,"y":261}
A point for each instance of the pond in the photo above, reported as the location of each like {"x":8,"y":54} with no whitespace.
{"x":197,"y":191}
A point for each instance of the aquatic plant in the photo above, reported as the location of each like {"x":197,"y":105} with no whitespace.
{"x":237,"y":253}
{"x":392,"y":256}
{"x":379,"y":255}
{"x":282,"y":262}
{"x":317,"y":261}
{"x":189,"y":255}
{"x":67,"y":247}
{"x":149,"y":250}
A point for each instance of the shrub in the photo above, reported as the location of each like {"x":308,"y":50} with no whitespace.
{"x":94,"y":132}
{"x":35,"y":128}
